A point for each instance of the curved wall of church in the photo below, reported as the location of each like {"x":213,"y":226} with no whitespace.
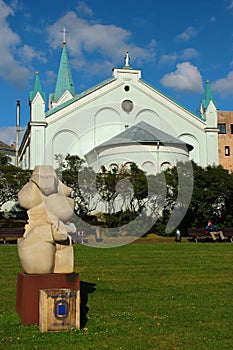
{"x":148,"y":157}
{"x":63,"y":142}
{"x":107,"y":124}
{"x":193,"y":141}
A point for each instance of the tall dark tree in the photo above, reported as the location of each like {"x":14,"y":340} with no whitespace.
{"x":211,"y":196}
{"x":12,"y":179}
{"x":4,"y":159}
{"x":82,"y":181}
{"x":212,"y":190}
{"x":124,"y":190}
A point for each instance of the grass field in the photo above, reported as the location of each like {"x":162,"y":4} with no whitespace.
{"x":140,"y":296}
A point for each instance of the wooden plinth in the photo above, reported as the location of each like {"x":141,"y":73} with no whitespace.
{"x":59,"y":309}
{"x":28,"y":292}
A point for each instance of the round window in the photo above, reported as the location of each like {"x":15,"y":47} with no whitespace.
{"x":127,"y":106}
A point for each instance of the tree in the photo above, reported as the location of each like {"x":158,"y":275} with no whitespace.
{"x":119,"y":192}
{"x":4,"y":159}
{"x":82,"y":181}
{"x":211,"y":197}
{"x":122,"y":188}
{"x":12,"y":179}
{"x":124,"y":191}
{"x":186,"y":195}
{"x":106,"y":186}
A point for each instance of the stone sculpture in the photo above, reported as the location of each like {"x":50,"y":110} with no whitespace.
{"x":46,"y":246}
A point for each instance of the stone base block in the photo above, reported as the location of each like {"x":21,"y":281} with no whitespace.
{"x":28,"y":292}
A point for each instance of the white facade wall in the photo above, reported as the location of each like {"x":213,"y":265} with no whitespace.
{"x":151,"y":159}
{"x":98,"y":116}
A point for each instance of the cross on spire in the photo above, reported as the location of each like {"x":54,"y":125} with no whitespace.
{"x":64,"y":32}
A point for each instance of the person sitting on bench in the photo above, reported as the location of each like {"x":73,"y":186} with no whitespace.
{"x":213,"y":231}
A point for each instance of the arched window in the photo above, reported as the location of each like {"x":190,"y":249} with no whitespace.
{"x":165,"y":165}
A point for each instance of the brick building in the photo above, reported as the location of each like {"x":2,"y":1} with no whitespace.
{"x":225,"y":139}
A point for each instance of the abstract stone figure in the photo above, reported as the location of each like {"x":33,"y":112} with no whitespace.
{"x":46,"y":246}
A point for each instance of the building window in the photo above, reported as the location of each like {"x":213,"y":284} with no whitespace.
{"x":231,"y":128}
{"x":222,"y":128}
{"x":127,"y":106}
{"x":165,"y":165}
{"x":227,"y":150}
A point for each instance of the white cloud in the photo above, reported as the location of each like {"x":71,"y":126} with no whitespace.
{"x":189,"y":33}
{"x":169,"y":58}
{"x":27,"y":54}
{"x":189,"y":53}
{"x":7,"y":135}
{"x":185,"y":78}
{"x":83,"y":9}
{"x":224,"y":86}
{"x":175,"y":56}
{"x":11,"y":70}
{"x":213,"y":19}
{"x":51,"y":76}
{"x":5,"y":10}
{"x":107,"y":42}
{"x":12,"y":52}
{"x":230,"y":6}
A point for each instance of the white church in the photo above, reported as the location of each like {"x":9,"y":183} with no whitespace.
{"x":121,"y":120}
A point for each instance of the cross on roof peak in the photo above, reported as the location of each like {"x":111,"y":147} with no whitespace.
{"x":64,"y":32}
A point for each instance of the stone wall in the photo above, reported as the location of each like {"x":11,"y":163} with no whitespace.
{"x":225,"y":140}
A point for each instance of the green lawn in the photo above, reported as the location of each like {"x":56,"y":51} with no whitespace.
{"x":140,"y":296}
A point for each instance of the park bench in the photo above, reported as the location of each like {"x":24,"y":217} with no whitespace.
{"x":11,"y":232}
{"x":198,"y":234}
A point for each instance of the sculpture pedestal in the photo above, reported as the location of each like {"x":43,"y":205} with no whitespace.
{"x":28,"y":292}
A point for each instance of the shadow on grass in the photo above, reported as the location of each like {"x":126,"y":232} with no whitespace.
{"x":85,"y":289}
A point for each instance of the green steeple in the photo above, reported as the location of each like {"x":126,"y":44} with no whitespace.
{"x":37,"y":88}
{"x":208,"y":96}
{"x":64,"y":78}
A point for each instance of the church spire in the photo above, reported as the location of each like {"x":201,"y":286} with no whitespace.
{"x":64,"y":78}
{"x":208,"y":97}
{"x":37,"y":88}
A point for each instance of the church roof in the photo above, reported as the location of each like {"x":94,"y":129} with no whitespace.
{"x":208,"y":96}
{"x":58,"y":93}
{"x":64,"y":78}
{"x":145,"y":134}
{"x":104,"y":83}
{"x":79,"y":96}
{"x":37,"y":88}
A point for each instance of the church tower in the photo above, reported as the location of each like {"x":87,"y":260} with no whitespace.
{"x":37,"y":100}
{"x":36,"y":126}
{"x":209,"y":114}
{"x":64,"y":90}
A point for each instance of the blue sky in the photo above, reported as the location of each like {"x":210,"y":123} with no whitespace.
{"x":178,"y":45}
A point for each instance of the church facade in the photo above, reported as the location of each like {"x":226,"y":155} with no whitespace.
{"x":121,"y":120}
